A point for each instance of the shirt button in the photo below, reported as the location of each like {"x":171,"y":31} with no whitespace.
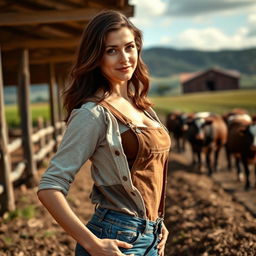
{"x":133,"y":193}
{"x":117,"y":153}
{"x":125,"y":178}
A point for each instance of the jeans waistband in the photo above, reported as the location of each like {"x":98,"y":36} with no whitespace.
{"x":125,"y":220}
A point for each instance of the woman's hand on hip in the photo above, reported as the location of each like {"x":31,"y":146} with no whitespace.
{"x":163,"y":238}
{"x":109,"y":247}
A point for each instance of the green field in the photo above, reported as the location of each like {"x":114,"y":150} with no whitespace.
{"x":38,"y":109}
{"x":218,"y":102}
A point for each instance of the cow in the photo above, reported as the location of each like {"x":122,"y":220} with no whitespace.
{"x":207,"y":132}
{"x":241,"y":144}
{"x":229,"y":116}
{"x":175,"y":123}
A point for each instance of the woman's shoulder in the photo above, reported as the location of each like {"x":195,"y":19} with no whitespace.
{"x":94,"y":107}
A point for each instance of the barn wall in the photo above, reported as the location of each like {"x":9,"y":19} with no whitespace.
{"x":211,"y":81}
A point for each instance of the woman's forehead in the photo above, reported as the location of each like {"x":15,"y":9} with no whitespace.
{"x":118,"y":37}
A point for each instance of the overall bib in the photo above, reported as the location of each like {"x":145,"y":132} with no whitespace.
{"x":147,"y":151}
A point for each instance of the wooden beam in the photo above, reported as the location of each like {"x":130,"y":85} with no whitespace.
{"x":40,"y":17}
{"x":44,"y":60}
{"x":7,"y":202}
{"x":39,"y":74}
{"x":26,"y":123}
{"x":35,"y":44}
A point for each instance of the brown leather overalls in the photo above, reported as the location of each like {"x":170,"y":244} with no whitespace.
{"x":147,"y":151}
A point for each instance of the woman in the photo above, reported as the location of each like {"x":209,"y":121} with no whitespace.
{"x":110,"y":122}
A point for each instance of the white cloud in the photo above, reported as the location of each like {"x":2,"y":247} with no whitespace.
{"x":212,"y":38}
{"x":204,"y":7}
{"x":147,"y":11}
{"x":165,"y":40}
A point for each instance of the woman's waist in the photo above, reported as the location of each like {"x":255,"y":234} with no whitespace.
{"x":124,"y":220}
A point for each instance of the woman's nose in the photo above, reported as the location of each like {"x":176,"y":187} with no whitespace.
{"x":124,"y":56}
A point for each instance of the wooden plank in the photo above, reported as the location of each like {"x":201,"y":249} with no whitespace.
{"x":18,"y":171}
{"x":7,"y":202}
{"x":26,"y":123}
{"x":14,"y":145}
{"x":63,"y":58}
{"x":40,"y":17}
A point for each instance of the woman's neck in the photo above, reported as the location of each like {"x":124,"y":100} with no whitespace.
{"x":119,"y":90}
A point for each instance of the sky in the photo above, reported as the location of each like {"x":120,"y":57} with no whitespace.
{"x":197,"y":24}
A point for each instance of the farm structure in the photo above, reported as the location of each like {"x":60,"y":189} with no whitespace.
{"x":38,"y":43}
{"x":213,"y":79}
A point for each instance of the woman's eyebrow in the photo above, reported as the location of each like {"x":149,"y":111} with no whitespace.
{"x":115,"y":46}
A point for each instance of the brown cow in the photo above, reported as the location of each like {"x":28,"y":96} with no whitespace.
{"x":207,"y":133}
{"x":242,"y":143}
{"x":175,"y":123}
{"x":228,"y":116}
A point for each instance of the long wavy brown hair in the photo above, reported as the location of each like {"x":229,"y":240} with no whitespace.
{"x":86,"y":77}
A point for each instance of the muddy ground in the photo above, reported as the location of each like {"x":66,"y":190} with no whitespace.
{"x":201,"y":217}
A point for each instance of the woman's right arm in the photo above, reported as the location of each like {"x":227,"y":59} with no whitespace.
{"x":57,"y":205}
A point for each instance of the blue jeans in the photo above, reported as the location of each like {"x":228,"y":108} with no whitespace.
{"x":142,"y":234}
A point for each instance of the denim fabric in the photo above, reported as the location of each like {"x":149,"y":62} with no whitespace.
{"x":142,"y":234}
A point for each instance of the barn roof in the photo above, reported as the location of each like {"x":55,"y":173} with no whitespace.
{"x":186,"y":77}
{"x":49,"y":29}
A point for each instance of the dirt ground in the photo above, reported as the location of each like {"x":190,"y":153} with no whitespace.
{"x":201,"y":217}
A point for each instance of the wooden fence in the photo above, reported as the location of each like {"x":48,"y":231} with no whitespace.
{"x":43,"y":144}
{"x":45,"y":139}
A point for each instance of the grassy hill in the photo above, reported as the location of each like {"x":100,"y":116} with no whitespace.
{"x":217,"y":102}
{"x":164,"y":62}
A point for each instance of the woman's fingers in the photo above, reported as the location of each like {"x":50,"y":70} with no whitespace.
{"x":163,"y":238}
{"x":123,"y":244}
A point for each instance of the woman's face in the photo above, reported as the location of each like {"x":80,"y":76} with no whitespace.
{"x":120,"y":56}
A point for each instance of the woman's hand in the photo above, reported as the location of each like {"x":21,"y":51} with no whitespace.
{"x":163,"y":238}
{"x":109,"y":247}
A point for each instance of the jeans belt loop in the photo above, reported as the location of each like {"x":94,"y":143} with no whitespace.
{"x":158,"y":225}
{"x":103,"y":214}
{"x":146,"y":227}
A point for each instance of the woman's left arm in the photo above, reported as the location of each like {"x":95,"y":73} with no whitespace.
{"x":163,"y":238}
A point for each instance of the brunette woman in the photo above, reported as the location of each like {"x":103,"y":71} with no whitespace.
{"x":110,"y":121}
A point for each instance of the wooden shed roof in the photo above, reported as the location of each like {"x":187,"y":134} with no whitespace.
{"x":50,"y":29}
{"x":186,"y":77}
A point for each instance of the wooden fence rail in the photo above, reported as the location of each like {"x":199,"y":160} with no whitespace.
{"x":43,"y":140}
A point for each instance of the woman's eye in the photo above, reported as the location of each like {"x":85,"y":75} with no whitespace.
{"x":111,"y":51}
{"x":131,"y":46}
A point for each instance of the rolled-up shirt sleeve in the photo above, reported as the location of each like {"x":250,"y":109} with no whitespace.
{"x":83,"y":135}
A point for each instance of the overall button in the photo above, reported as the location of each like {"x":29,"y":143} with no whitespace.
{"x":117,"y":153}
{"x":137,"y":130}
{"x":125,"y":178}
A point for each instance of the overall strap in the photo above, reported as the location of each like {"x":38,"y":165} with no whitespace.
{"x":127,"y":121}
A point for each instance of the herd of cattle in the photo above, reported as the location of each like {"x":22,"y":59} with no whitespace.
{"x":207,"y":133}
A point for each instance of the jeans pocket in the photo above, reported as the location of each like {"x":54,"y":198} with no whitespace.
{"x":127,"y":236}
{"x":97,"y":231}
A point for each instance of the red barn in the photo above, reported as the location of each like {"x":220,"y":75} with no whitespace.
{"x":213,"y":79}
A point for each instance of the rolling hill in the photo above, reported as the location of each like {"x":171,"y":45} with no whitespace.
{"x":164,"y":62}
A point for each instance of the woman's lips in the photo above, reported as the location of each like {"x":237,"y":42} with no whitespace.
{"x":124,"y":69}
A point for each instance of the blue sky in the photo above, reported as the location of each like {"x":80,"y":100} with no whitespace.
{"x":198,"y":24}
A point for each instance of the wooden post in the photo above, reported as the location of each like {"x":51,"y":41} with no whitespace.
{"x":60,"y":86}
{"x":40,"y":126}
{"x":7,"y":202}
{"x":26,"y":124}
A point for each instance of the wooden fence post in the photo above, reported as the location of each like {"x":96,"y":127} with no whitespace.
{"x":7,"y":202}
{"x":53,"y":103}
{"x":26,"y":124}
